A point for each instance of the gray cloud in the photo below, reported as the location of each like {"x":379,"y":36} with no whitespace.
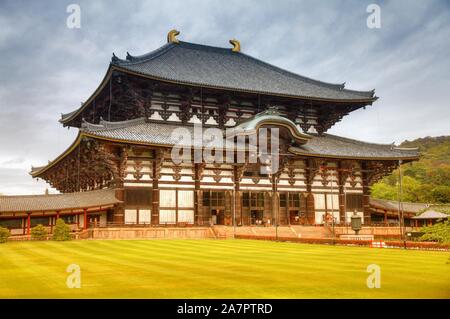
{"x":48,"y":69}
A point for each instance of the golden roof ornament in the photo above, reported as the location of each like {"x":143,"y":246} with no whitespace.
{"x":172,"y":36}
{"x":236,"y":45}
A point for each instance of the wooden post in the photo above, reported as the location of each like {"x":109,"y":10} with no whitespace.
{"x":238,"y":194}
{"x":197,"y":196}
{"x":366,"y":193}
{"x":29,"y":224}
{"x":177,"y":205}
{"x":341,"y":184}
{"x":310,"y":209}
{"x":85,"y":221}
{"x":385,"y":218}
{"x":155,"y":188}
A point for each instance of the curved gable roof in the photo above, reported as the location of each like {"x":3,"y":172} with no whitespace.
{"x":270,"y":116}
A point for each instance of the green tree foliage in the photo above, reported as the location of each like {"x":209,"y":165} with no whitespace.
{"x":61,"y":231}
{"x":4,"y":234}
{"x":427,"y":180}
{"x":39,"y":232}
{"x":439,"y":232}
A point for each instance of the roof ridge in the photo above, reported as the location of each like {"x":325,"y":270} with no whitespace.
{"x":56,"y":195}
{"x":109,"y":125}
{"x":358,"y":141}
{"x":131,"y":59}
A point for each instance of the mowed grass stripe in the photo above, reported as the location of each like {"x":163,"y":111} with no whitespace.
{"x":218,"y":269}
{"x":169,"y":253}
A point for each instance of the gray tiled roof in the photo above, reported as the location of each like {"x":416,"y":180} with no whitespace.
{"x":336,"y":146}
{"x":54,"y":202}
{"x":326,"y":145}
{"x":392,"y":205}
{"x":432,"y":214}
{"x":202,"y":65}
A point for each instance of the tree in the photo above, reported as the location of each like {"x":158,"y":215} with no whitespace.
{"x":441,"y":193}
{"x":39,"y":232}
{"x":411,"y":190}
{"x":4,"y":234}
{"x":427,"y":180}
{"x":439,"y":232}
{"x":384,"y":191}
{"x":61,"y":231}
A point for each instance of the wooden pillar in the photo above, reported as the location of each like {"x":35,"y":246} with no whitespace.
{"x":237,"y":197}
{"x":177,"y":206}
{"x":342,"y":204}
{"x":155,"y":188}
{"x":385,"y":218}
{"x":197,"y":195}
{"x":366,"y":194}
{"x":275,"y":201}
{"x":310,"y":209}
{"x":28,"y":223}
{"x":228,"y":220}
{"x":85,"y":221}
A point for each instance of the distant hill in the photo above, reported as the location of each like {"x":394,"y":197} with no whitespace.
{"x":426,"y":181}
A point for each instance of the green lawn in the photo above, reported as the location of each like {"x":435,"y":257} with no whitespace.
{"x":217,"y":269}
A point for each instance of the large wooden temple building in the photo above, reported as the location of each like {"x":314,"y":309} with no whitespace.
{"x":120,"y":169}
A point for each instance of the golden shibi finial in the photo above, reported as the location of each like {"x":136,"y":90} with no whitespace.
{"x":172,"y":36}
{"x":236,"y":45}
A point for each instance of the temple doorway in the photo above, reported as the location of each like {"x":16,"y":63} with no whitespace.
{"x":294,"y":217}
{"x":256,"y":217}
{"x":218,"y":216}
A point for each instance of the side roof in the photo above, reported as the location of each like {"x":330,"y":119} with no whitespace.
{"x":53,"y":202}
{"x":328,"y":145}
{"x":140,"y":132}
{"x":392,"y":205}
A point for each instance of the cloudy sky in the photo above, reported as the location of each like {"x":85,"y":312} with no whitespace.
{"x":47,"y":68}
